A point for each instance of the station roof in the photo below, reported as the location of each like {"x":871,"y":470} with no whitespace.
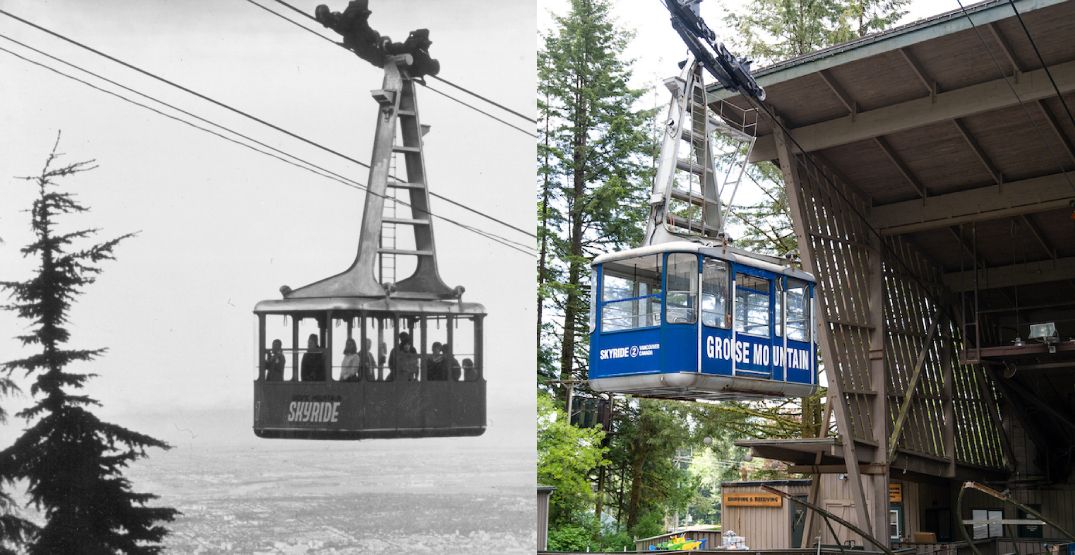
{"x":925,"y":122}
{"x":954,"y":132}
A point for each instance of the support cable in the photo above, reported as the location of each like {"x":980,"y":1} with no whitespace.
{"x":480,"y":111}
{"x":441,"y":79}
{"x":1026,"y":111}
{"x":245,"y":114}
{"x":1040,"y":59}
{"x":309,"y":166}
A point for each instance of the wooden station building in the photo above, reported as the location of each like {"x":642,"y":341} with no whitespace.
{"x":929,"y":175}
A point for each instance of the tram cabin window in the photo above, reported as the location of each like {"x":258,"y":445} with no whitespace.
{"x":752,"y":310}
{"x":681,"y":298}
{"x":631,"y":293}
{"x":715,"y":307}
{"x":798,"y":311}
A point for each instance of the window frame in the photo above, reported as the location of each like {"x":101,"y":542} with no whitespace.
{"x":727,"y":267}
{"x":651,"y":297}
{"x":739,"y":271}
{"x":693,"y":290}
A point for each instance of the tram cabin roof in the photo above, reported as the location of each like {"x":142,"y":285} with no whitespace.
{"x":369,"y":304}
{"x":731,"y":254}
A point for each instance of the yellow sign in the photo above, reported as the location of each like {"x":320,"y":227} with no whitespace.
{"x":752,"y":500}
{"x":895,"y":493}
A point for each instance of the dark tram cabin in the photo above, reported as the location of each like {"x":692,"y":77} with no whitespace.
{"x":315,"y":393}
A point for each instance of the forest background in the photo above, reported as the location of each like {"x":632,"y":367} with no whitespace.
{"x":651,"y":465}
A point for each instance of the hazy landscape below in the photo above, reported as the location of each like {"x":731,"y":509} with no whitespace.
{"x":387,"y":496}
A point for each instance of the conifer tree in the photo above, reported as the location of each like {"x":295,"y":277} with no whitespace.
{"x":593,"y":165}
{"x":71,"y":462}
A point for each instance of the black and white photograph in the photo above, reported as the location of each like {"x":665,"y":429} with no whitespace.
{"x":228,"y":325}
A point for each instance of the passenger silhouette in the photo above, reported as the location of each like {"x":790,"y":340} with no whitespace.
{"x":437,"y":364}
{"x":367,"y":365}
{"x":470,"y":373}
{"x":349,"y":368}
{"x":313,"y":361}
{"x":403,"y":359}
{"x":273,"y":365}
{"x":452,"y":363}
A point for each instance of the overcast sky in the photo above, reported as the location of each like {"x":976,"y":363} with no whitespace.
{"x":221,"y":227}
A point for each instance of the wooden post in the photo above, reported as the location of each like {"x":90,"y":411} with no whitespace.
{"x":793,"y":187}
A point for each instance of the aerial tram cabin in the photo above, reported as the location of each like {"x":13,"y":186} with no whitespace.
{"x":682,"y":320}
{"x":359,"y":354}
{"x":393,"y":394}
{"x":686,"y":315}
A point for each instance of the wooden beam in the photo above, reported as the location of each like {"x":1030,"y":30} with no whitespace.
{"x":868,"y":468}
{"x":905,"y":407}
{"x":1007,"y":49}
{"x":930,"y":84}
{"x":948,"y":105}
{"x":903,"y":169}
{"x":797,"y":205}
{"x":1055,"y":126}
{"x":1027,"y":196}
{"x":978,"y":152}
{"x":1042,"y":241}
{"x":1025,"y":273}
{"x":841,"y":94}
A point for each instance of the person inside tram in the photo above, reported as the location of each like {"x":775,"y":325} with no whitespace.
{"x":470,"y":373}
{"x":273,"y":364}
{"x":452,"y":363}
{"x":349,"y":368}
{"x":313,"y":361}
{"x":382,"y":358}
{"x":367,"y":365}
{"x":436,"y":364}
{"x":403,"y":359}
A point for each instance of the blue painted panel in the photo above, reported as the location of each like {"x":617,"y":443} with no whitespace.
{"x":753,"y":355}
{"x":716,"y":351}
{"x":800,"y":364}
{"x":625,"y":352}
{"x":679,"y":352}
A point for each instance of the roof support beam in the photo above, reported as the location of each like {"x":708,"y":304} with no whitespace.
{"x":841,"y":94}
{"x":1049,"y":250}
{"x":979,"y":153}
{"x":1055,"y":126}
{"x":957,"y":103}
{"x":1025,"y":273}
{"x":904,"y":170}
{"x":930,"y":84}
{"x":1027,"y":196}
{"x":1007,"y":49}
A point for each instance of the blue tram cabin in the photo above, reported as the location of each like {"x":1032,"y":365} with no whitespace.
{"x":685,"y":321}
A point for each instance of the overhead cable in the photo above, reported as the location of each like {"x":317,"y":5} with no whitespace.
{"x":309,"y":166}
{"x":441,"y":79}
{"x":245,"y":114}
{"x":1042,"y":60}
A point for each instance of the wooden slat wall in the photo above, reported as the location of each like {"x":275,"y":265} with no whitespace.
{"x":839,"y":242}
{"x":839,"y":245}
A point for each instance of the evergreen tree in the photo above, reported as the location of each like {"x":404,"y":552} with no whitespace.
{"x":593,"y":168}
{"x":774,"y":30}
{"x":71,"y":461}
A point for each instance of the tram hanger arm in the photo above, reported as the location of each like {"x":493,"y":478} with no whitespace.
{"x":733,"y":73}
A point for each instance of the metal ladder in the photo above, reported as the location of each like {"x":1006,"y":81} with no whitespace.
{"x":409,"y":147}
{"x":704,"y":155}
{"x":386,"y":260}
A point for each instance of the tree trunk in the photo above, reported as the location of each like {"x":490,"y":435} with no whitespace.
{"x":578,"y":170}
{"x":543,"y":256}
{"x":635,"y":500}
